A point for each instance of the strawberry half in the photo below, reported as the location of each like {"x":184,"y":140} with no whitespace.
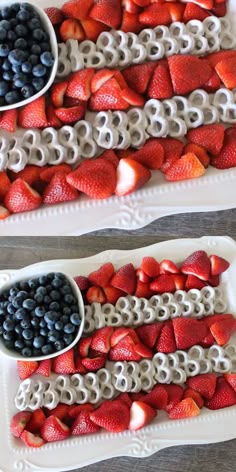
{"x":155,"y":15}
{"x":64,"y":363}
{"x":21,"y":197}
{"x":72,"y":114}
{"x":75,"y":410}
{"x":226,"y":71}
{"x":96,"y":178}
{"x":181,"y":68}
{"x":194,"y":282}
{"x":94,"y":364}
{"x":124,"y":350}
{"x":57,"y":93}
{"x":33,"y":115}
{"x":205,"y":384}
{"x":188,"y":332}
{"x":79,"y":84}
{"x":82,"y":282}
{"x":54,"y":430}
{"x":150,"y":155}
{"x":140,"y":415}
{"x":19,"y":422}
{"x":95,"y":295}
{"x":166,"y":341}
{"x":31,"y":440}
{"x":223,"y":397}
{"x":55,"y":15}
{"x":101,"y":339}
{"x":210,"y":137}
{"x":93,"y":28}
{"x":58,"y":190}
{"x":157,"y":398}
{"x":36,"y":421}
{"x":107,"y":12}
{"x":189,"y":393}
{"x":218,"y":265}
{"x":44,"y":368}
{"x":163,"y":283}
{"x":113,"y":294}
{"x":78,"y":9}
{"x":48,"y":173}
{"x":148,"y":334}
{"x":184,"y":409}
{"x":99,"y":78}
{"x":139,"y":76}
{"x":71,"y":29}
{"x":173,"y":149}
{"x":125,"y":279}
{"x":188,"y":167}
{"x":150,"y":266}
{"x":175,"y":395}
{"x":4,"y":185}
{"x":26,"y":368}
{"x":168,"y":267}
{"x":131,"y":176}
{"x":114,"y":416}
{"x":198,"y":264}
{"x":4,"y":213}
{"x":160,"y":86}
{"x":108,"y":97}
{"x":194,"y":12}
{"x":84,"y":425}
{"x":223,"y":330}
{"x":199,"y":151}
{"x":102,"y":276}
{"x":8,"y":120}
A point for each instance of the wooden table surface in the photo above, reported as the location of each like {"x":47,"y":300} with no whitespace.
{"x":18,"y":252}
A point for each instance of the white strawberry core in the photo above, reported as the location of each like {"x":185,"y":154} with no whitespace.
{"x":125,"y":178}
{"x":137,"y":417}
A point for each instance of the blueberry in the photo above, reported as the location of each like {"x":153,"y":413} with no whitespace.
{"x":55,"y":295}
{"x":21,"y":30}
{"x":33,"y":24}
{"x":42,"y":281}
{"x":47,"y":300}
{"x":40,"y":311}
{"x":24,"y":286}
{"x":26,"y":352}
{"x":11,"y":98}
{"x":35,"y":49}
{"x":43,"y":332}
{"x":28,"y":91}
{"x":6,"y":65}
{"x":29,"y":304}
{"x":55,"y":306}
{"x":59,"y":345}
{"x":11,"y":36}
{"x":23,"y":15}
{"x":39,"y":70}
{"x":38,"y":342}
{"x":13,"y":22}
{"x":41,"y":290}
{"x":26,"y":67}
{"x":65,"y":289}
{"x":57,"y":283}
{"x":27,"y":334}
{"x":13,"y":291}
{"x":49,"y":288}
{"x":75,"y":319}
{"x":69,"y":328}
{"x":68,"y":338}
{"x":5,"y":11}
{"x":8,"y":335}
{"x":25,"y":324}
{"x":21,"y":314}
{"x":66,"y":311}
{"x":19,"y":344}
{"x":45,"y":46}
{"x":18,"y":329}
{"x":64,"y":319}
{"x":59,"y":325}
{"x":53,"y":336}
{"x":51,"y":317}
{"x":35,"y":322}
{"x":47,"y":59}
{"x":9,"y":344}
{"x":20,"y":79}
{"x":11,"y":309}
{"x":38,"y":84}
{"x":33,"y":283}
{"x":3,"y":34}
{"x":69,"y":298}
{"x":4,"y":50}
{"x":42,"y":323}
{"x":38,"y":297}
{"x":47,"y":349}
{"x":5,"y":24}
{"x":4,"y":88}
{"x":17,"y":57}
{"x":28,"y":7}
{"x":20,"y":43}
{"x":9,"y":325}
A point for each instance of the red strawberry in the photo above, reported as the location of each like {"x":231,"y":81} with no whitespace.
{"x":188,"y":332}
{"x":205,"y":384}
{"x":93,"y":364}
{"x":130,"y":22}
{"x":218,"y":265}
{"x":4,"y":184}
{"x":213,"y":84}
{"x":97,"y":178}
{"x":219,"y":56}
{"x":179,"y":280}
{"x":227,"y":156}
{"x":79,"y":84}
{"x":31,"y":440}
{"x":154,"y":15}
{"x":143,"y":351}
{"x":118,"y":335}
{"x":135,"y":396}
{"x":163,"y":283}
{"x":150,"y":155}
{"x":101,"y":339}
{"x":84,"y":425}
{"x":220,"y":9}
{"x":55,"y":15}
{"x":148,"y":334}
{"x":71,"y":29}
{"x":142,"y":3}
{"x":223,"y":330}
{"x":199,"y":152}
{"x":114,"y":416}
{"x":224,"y":395}
{"x":78,"y":9}
{"x":181,"y":73}
{"x":194,"y":282}
{"x":64,"y":363}
{"x":95,"y":294}
{"x":132,"y":97}
{"x":207,"y":341}
{"x":198,"y":264}
{"x":33,"y":115}
{"x":19,"y":422}
{"x":176,"y":11}
{"x":125,"y":279}
{"x":82,"y":282}
{"x":175,"y":395}
{"x":208,"y":4}
{"x":231,"y":380}
{"x":109,"y":155}
{"x":26,"y":368}
{"x":226,"y":71}
{"x":102,"y":276}
{"x":84,"y":346}
{"x":157,"y":398}
{"x":124,"y":397}
{"x":172,"y":151}
{"x":8,"y":120}
{"x":54,"y":430}
{"x":93,"y":28}
{"x":131,"y":176}
{"x":214,"y":280}
{"x":36,"y":421}
{"x":57,"y":93}
{"x":108,"y":97}
{"x":211,"y":319}
{"x":194,"y":12}
{"x":150,"y":266}
{"x":75,"y":410}
{"x":140,"y":415}
{"x":44,"y":368}
{"x":184,"y":409}
{"x":139,"y":76}
{"x":130,"y":6}
{"x":58,"y":190}
{"x":107,"y":12}
{"x":112,"y":294}
{"x":53,"y":121}
{"x":72,"y":114}
{"x":210,"y":137}
{"x":168,"y":267}
{"x":189,"y":393}
{"x":47,"y":174}
{"x":61,"y":411}
{"x":30,"y":174}
{"x":166,"y":340}
{"x":4,"y":213}
{"x":142,"y":277}
{"x":99,"y":78}
{"x":80,"y":369}
{"x":188,"y":167}
{"x":124,"y":350}
{"x":160,"y":85}
{"x":143,"y":290}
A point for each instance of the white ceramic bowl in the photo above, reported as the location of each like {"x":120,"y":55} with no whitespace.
{"x":54,"y":47}
{"x":30,"y":273}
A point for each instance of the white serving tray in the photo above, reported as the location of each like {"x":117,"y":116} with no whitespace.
{"x":81,"y":451}
{"x":214,"y":191}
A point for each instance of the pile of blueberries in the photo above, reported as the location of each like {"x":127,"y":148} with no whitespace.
{"x":26,"y":58}
{"x":39,"y":316}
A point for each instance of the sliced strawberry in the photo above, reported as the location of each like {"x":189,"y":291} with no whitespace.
{"x":194,"y":12}
{"x":173,"y":149}
{"x":82,"y":282}
{"x":131,"y":176}
{"x":61,"y":411}
{"x":84,"y":425}
{"x":113,"y":294}
{"x":55,"y":15}
{"x":150,"y":155}
{"x":99,"y":78}
{"x":143,"y":290}
{"x":183,"y":80}
{"x":220,"y":9}
{"x":71,"y":29}
{"x":72,"y":114}
{"x":157,"y":398}
{"x":168,"y":267}
{"x":31,"y":440}
{"x":79,"y":367}
{"x":214,"y":280}
{"x":8,"y":120}
{"x":208,"y":341}
{"x":109,"y":155}
{"x":218,"y":265}
{"x":107,"y":12}
{"x":142,"y":3}
{"x":194,"y":282}
{"x":95,"y":294}
{"x":108,"y":97}
{"x":208,"y":4}
{"x":4,"y":185}
{"x":184,"y":409}
{"x":102,"y":276}
{"x":227,"y":156}
{"x":143,"y":351}
{"x":140,"y":415}
{"x":223,"y":330}
{"x":130,"y":22}
{"x":84,"y":346}
{"x":160,"y":86}
{"x":154,"y":15}
{"x":124,"y":397}
{"x":44,"y":368}
{"x":118,"y":335}
{"x":163,"y":283}
{"x":78,"y":9}
{"x":57,"y":93}
{"x":211,"y":319}
{"x":47,"y":174}
{"x":213,"y":84}
{"x":131,"y":6}
{"x":33,"y":115}
{"x":188,"y":167}
{"x":54,"y":430}
{"x":58,"y":190}
{"x":166,"y":341}
{"x":79,"y":84}
{"x":124,"y":350}
{"x":189,"y":393}
{"x":226,"y":71}
{"x":97,"y":178}
{"x":180,"y":281}
{"x":223,"y":397}
{"x":210,"y":137}
{"x":199,"y":151}
{"x":132,"y":333}
{"x":75,"y":410}
{"x":142,"y":277}
{"x":19,"y":422}
{"x":198,"y":264}
{"x":231,"y":380}
{"x":93,"y":28}
{"x":150,"y":266}
{"x":30,"y":174}
{"x":114,"y":416}
{"x":132,"y":97}
{"x":139,"y":76}
{"x":148,"y":334}
{"x":125,"y":279}
{"x":175,"y":395}
{"x":135,"y":396}
{"x":64,"y":363}
{"x":176,"y":11}
{"x":94,"y":364}
{"x":188,"y":332}
{"x":26,"y":368}
{"x":101,"y":339}
{"x":219,"y":56}
{"x":205,"y":384}
{"x":36,"y":421}
{"x":4,"y":213}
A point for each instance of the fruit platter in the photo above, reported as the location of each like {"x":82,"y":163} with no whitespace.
{"x":125,"y":133}
{"x":155,"y":366}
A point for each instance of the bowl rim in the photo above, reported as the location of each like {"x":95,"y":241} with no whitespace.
{"x":54,"y":45}
{"x":23,"y":275}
